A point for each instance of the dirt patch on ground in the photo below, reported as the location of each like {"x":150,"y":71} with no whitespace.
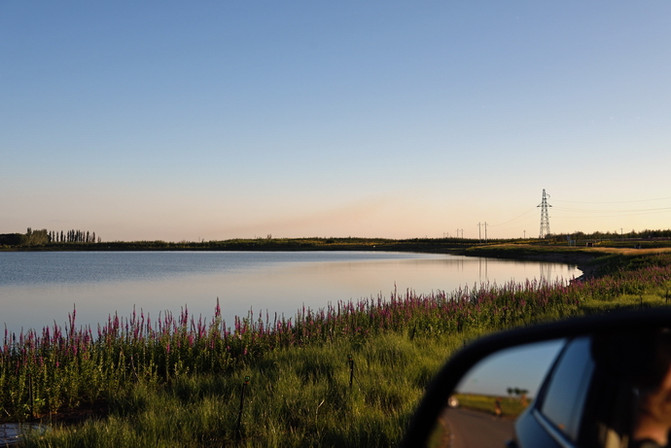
{"x":67,"y":417}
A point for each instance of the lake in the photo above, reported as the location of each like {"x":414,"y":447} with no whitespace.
{"x":39,"y":289}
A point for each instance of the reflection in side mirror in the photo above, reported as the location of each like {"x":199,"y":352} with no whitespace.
{"x":607,"y":375}
{"x":485,"y":404}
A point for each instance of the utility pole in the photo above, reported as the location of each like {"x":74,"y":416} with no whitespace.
{"x":480,"y":226}
{"x":545,"y":217}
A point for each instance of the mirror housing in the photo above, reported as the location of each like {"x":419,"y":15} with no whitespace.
{"x":450,"y":375}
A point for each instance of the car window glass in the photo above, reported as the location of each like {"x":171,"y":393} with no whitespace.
{"x":565,"y":395}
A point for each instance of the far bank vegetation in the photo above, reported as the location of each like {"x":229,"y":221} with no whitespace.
{"x":44,"y":237}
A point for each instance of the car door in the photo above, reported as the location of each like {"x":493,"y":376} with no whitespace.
{"x":555,"y":418}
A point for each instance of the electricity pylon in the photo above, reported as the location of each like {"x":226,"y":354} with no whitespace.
{"x":545,"y":218}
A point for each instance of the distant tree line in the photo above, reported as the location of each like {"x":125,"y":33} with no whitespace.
{"x":645,"y":234}
{"x":44,"y":237}
{"x":633,"y":239}
{"x":72,"y":236}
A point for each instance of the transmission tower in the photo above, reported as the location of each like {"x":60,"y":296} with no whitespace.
{"x":545,"y":218}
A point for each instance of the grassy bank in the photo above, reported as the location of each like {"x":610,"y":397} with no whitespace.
{"x":346,"y":375}
{"x":511,"y":407}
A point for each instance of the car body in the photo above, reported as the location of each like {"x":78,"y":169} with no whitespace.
{"x":579,"y":403}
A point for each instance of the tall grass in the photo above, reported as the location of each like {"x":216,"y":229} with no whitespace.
{"x":349,"y":374}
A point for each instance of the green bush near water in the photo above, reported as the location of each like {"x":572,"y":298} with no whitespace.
{"x":179,"y":382}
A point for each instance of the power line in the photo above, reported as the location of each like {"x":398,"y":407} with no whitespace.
{"x":576,"y":212}
{"x":530,"y":210}
{"x":615,"y":211}
{"x":614,"y":202}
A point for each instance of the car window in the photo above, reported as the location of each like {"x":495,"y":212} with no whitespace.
{"x":564,"y":398}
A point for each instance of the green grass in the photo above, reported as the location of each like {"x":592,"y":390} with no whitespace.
{"x":510,"y":406}
{"x":295,"y":397}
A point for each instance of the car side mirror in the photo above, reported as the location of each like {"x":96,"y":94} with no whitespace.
{"x":488,"y":399}
{"x":484,"y":393}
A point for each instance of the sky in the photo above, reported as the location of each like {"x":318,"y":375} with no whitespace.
{"x":210,"y":120}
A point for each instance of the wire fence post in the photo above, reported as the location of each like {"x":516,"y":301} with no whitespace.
{"x":350,"y":361}
{"x":243,"y":387}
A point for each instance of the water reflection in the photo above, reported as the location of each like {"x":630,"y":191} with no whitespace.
{"x":105,"y":283}
{"x":483,"y":274}
{"x":546,"y":271}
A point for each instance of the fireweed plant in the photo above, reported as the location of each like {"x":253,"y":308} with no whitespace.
{"x":346,"y":374}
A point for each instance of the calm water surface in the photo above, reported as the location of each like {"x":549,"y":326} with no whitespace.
{"x":40,"y":288}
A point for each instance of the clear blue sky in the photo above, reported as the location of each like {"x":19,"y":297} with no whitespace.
{"x":213,"y":120}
